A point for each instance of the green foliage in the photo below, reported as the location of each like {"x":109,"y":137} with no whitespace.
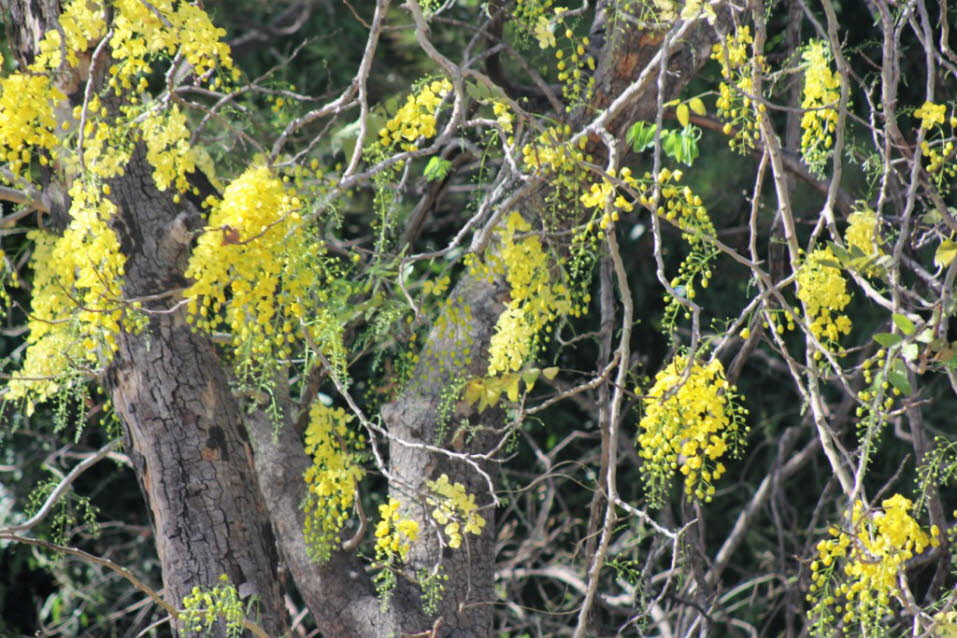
{"x":203,"y":608}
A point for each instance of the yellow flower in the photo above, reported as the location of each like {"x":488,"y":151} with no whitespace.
{"x":453,"y":506}
{"x":689,"y":419}
{"x":823,"y":290}
{"x":332,"y":479}
{"x":861,"y":564}
{"x":394,"y":535}
{"x":930,"y":114}
{"x":544,"y":33}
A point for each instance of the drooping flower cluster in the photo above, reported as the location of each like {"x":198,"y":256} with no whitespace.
{"x":82,"y":22}
{"x":605,"y":196}
{"x":856,"y":570}
{"x":394,"y":534}
{"x":734,"y":103}
{"x":76,"y":305}
{"x":142,"y":31}
{"x":823,"y":290}
{"x":27,"y":118}
{"x":535,"y":300}
{"x":416,"y":118}
{"x":244,"y":265}
{"x":333,"y":477}
{"x":863,"y":234}
{"x":454,"y":508}
{"x":691,"y":418}
{"x":167,"y":147}
{"x":822,"y":90}
{"x":939,"y":152}
{"x":930,"y":115}
{"x":551,"y":153}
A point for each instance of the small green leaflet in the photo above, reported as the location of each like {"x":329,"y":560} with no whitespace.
{"x":904,"y":324}
{"x":640,"y":135}
{"x":437,"y":168}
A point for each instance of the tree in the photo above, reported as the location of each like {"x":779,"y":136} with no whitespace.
{"x":365,"y":341}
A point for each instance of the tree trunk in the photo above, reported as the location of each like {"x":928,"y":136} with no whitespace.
{"x":184,"y":430}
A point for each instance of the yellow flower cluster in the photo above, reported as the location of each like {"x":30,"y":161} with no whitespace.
{"x":690,"y":420}
{"x":332,"y":479}
{"x":27,"y":118}
{"x":142,"y":31}
{"x":863,"y":234}
{"x":106,"y":147}
{"x":243,"y":265}
{"x":734,"y":104}
{"x":939,"y":153}
{"x":394,"y":534}
{"x":535,"y":300}
{"x":416,"y":118}
{"x":572,"y":71}
{"x":456,"y":509}
{"x":856,"y":570}
{"x":83,"y":22}
{"x":504,"y":117}
{"x":551,"y":153}
{"x":930,"y":115}
{"x":75,"y":308}
{"x":606,"y":197}
{"x":681,"y":206}
{"x":678,"y":204}
{"x":167,"y":147}
{"x":822,"y":90}
{"x":823,"y":290}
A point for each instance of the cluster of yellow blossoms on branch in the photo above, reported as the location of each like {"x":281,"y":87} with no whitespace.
{"x":394,"y":534}
{"x":77,"y":304}
{"x":416,"y":118}
{"x":822,"y":91}
{"x":333,"y":478}
{"x":535,"y":300}
{"x":856,"y":571}
{"x":823,"y":290}
{"x":454,"y":508}
{"x":735,"y":103}
{"x":691,"y":418}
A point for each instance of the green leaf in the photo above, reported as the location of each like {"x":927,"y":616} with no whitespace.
{"x":945,"y":253}
{"x":684,"y":115}
{"x":530,"y":377}
{"x":345,"y":139}
{"x":640,"y":135}
{"x":910,"y":351}
{"x":689,"y":145}
{"x":888,"y":339}
{"x":671,"y":144}
{"x":925,"y":336}
{"x":437,"y":168}
{"x":839,"y":252}
{"x":550,"y":373}
{"x":900,"y":382}
{"x":904,"y":324}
